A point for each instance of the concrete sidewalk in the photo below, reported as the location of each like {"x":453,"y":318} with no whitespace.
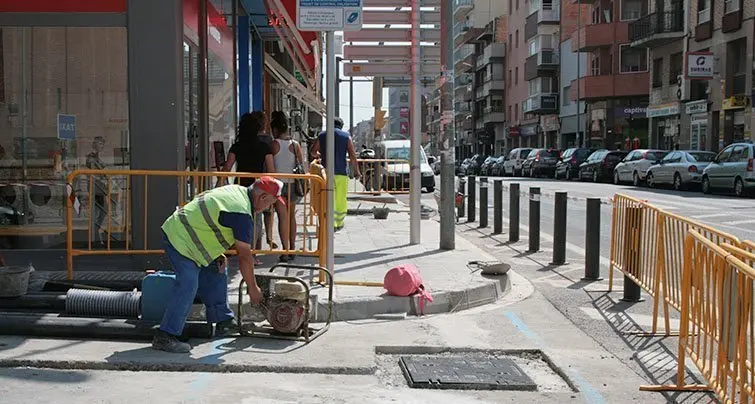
{"x":367,"y":248}
{"x":566,"y":364}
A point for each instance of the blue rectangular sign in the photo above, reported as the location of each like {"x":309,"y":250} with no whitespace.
{"x":330,"y":3}
{"x":66,"y":127}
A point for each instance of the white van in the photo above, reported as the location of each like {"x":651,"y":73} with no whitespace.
{"x":395,"y":171}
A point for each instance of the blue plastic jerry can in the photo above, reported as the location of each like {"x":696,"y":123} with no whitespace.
{"x":157,"y":290}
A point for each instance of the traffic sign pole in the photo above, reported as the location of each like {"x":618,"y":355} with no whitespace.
{"x":447,"y":143}
{"x":330,"y":146}
{"x":415,"y":179}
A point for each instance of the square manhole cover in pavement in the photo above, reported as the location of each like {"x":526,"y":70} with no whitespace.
{"x":462,"y":372}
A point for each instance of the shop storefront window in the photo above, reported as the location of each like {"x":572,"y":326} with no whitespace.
{"x":63,"y":107}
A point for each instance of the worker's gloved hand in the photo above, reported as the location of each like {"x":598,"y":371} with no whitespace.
{"x":255,"y":294}
{"x":222,"y":263}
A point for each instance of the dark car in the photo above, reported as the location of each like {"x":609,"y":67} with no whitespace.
{"x":541,"y":162}
{"x":496,"y":169}
{"x":466,"y":167}
{"x":457,"y":167}
{"x":487,"y":165}
{"x":568,"y":165}
{"x":474,"y":164}
{"x":600,"y":165}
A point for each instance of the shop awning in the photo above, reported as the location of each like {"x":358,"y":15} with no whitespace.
{"x":293,"y":86}
{"x":303,"y":46}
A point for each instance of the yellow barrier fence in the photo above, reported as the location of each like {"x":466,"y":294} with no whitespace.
{"x":382,"y":175}
{"x":647,"y":246}
{"x":717,"y":321}
{"x":117,"y":203}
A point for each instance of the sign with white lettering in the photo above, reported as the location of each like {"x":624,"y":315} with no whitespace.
{"x":697,"y":107}
{"x":699,"y":65}
{"x":329,"y":15}
{"x":66,"y":127}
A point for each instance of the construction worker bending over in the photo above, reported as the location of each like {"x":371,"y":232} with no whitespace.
{"x":195,"y":237}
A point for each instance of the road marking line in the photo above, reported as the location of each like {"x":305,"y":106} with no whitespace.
{"x":736,"y":222}
{"x":592,"y":395}
{"x":712,"y":215}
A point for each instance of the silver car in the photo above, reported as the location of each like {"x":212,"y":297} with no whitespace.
{"x":679,"y":168}
{"x":635,"y":165}
{"x":731,"y":170}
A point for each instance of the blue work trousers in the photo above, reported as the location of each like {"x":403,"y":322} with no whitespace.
{"x":191,"y":279}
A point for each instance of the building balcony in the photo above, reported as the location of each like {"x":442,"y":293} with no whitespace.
{"x":657,"y":29}
{"x":471,"y":35}
{"x":594,"y":88}
{"x":543,"y":63}
{"x":494,"y":114}
{"x":493,"y":83}
{"x":479,"y":93}
{"x":542,"y":103}
{"x":548,"y":13}
{"x":464,"y":58}
{"x":462,"y":7}
{"x":594,"y":36}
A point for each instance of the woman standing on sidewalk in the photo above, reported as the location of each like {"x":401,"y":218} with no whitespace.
{"x":251,"y":155}
{"x":288,"y":157}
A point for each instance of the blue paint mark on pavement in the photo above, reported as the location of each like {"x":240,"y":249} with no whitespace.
{"x":213,"y":358}
{"x":592,"y":395}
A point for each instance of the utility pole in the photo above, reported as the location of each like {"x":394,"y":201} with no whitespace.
{"x":330,"y":114}
{"x":415,"y":176}
{"x":351,"y":105}
{"x":447,"y":142}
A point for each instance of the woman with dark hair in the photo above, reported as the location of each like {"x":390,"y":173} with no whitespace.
{"x":287,"y":155}
{"x":251,"y":155}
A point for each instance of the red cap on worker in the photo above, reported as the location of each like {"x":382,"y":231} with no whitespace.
{"x":270,"y":185}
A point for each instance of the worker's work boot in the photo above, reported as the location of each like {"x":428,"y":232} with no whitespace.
{"x":169,"y":343}
{"x":226,"y":328}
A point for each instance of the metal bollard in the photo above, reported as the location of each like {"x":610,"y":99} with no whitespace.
{"x":592,"y":240}
{"x":463,"y":192}
{"x":534,"y":219}
{"x":514,"y":213}
{"x":559,"y":228}
{"x":483,"y":202}
{"x":472,"y":192}
{"x":632,"y":291}
{"x":497,"y":207}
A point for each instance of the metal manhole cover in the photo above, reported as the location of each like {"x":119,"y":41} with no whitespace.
{"x":465,"y":373}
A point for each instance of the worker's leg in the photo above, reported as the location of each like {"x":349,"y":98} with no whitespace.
{"x":184,"y":292}
{"x":341,"y":185}
{"x":213,"y":290}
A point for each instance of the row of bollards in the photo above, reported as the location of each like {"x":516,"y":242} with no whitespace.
{"x":592,"y":224}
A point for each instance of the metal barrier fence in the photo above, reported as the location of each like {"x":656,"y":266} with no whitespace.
{"x":647,"y":246}
{"x":382,"y":175}
{"x":717,"y":320}
{"x":111,"y":207}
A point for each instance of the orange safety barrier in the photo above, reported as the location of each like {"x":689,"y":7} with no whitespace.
{"x":647,"y":246}
{"x":382,"y":175}
{"x":717,"y":321}
{"x":118,"y":211}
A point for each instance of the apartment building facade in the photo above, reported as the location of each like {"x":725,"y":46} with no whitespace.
{"x":474,"y":30}
{"x":541,"y":69}
{"x":614,"y":87}
{"x":488,"y":112}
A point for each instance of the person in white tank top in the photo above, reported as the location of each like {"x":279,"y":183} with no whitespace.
{"x":287,"y":155}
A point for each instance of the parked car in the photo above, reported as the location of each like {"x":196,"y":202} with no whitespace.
{"x":496,"y":169}
{"x":540,"y":162}
{"x":458,"y":167}
{"x":635,"y":165}
{"x":466,"y":167}
{"x":568,"y":165}
{"x":434,"y":162}
{"x":486,"y":165}
{"x":731,"y":170}
{"x":679,"y":168}
{"x":474,"y":164}
{"x":600,"y":165}
{"x":513,"y":164}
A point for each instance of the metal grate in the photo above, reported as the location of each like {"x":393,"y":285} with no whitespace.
{"x":464,"y":372}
